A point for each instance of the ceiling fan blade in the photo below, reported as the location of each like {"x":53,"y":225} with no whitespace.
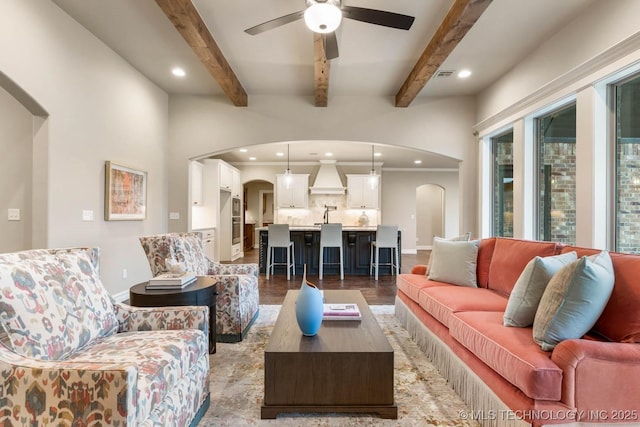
{"x":275,"y":23}
{"x":378,"y":17}
{"x":330,"y":43}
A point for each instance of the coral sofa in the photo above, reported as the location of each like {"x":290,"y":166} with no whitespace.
{"x":504,"y":376}
{"x":71,"y":356}
{"x":237,"y":302}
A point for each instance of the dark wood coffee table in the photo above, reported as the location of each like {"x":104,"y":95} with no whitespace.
{"x":346,"y":368}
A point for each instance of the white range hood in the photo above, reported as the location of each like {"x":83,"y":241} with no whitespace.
{"x":328,"y":179}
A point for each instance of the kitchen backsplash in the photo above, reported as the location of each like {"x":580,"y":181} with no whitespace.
{"x":315,"y":212}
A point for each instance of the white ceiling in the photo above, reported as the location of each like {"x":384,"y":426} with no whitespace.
{"x":374,"y":60}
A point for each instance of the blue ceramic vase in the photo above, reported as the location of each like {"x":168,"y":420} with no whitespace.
{"x":309,"y":307}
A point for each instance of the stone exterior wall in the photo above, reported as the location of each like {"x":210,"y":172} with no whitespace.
{"x":502,"y":212}
{"x":628,"y":198}
{"x":560,"y":156}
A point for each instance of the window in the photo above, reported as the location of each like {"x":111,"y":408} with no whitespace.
{"x":556,"y":183}
{"x":627,"y":165}
{"x":502,"y":151}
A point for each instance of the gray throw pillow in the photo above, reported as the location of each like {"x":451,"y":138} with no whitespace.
{"x":525,"y":296}
{"x":454,"y":262}
{"x":573,"y":300}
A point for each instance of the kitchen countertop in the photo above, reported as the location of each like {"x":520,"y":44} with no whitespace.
{"x":317,"y":228}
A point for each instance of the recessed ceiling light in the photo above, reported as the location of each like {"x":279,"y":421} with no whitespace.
{"x":279,"y":154}
{"x":463,"y":74}
{"x":252,"y":158}
{"x":329,"y":154}
{"x":378,"y":154}
{"x":417,"y":162}
{"x":178,"y":72}
{"x":243,"y":150}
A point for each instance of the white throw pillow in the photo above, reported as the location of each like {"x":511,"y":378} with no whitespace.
{"x":454,"y":262}
{"x":461,"y":238}
{"x":527,"y":292}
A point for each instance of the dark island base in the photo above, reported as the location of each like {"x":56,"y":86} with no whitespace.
{"x":356,"y":245}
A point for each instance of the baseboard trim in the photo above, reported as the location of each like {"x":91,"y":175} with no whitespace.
{"x":121,"y":297}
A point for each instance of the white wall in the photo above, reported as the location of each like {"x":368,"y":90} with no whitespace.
{"x":97,"y":108}
{"x":429,"y":214}
{"x":202,"y":125}
{"x":16,"y":127}
{"x":605,"y":24}
{"x":399,"y":195}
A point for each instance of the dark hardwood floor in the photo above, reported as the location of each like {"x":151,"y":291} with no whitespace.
{"x":382,"y":291}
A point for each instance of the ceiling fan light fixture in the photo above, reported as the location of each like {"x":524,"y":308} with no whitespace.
{"x":323,"y":17}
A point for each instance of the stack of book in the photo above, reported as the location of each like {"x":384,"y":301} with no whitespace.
{"x":341,"y":312}
{"x":171,"y":281}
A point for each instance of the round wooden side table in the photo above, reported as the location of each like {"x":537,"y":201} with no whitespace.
{"x":201,"y":292}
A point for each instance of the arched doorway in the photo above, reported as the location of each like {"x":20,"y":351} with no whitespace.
{"x":258,"y":201}
{"x":429,"y":214}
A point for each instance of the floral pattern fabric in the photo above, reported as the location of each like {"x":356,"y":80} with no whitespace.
{"x":154,"y":372}
{"x":53,"y":304}
{"x":237,"y":302}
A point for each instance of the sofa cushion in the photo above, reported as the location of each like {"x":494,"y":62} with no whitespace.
{"x":411,"y":284}
{"x":526,"y":294}
{"x":162,"y":358}
{"x":511,"y":352}
{"x":510,"y":257}
{"x":442,"y":301}
{"x":454,"y":262}
{"x":53,"y":304}
{"x":189,"y":251}
{"x":620,"y":320}
{"x":485,"y":254}
{"x":573,"y":300}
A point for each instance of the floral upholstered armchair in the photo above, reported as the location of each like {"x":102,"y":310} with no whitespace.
{"x":72,"y":356}
{"x":238,"y":299}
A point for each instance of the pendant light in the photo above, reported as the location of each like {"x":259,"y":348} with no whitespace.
{"x":373,"y":178}
{"x":287,"y":174}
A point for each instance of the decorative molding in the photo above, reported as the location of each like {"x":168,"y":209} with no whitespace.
{"x":121,"y":296}
{"x":571,"y":77}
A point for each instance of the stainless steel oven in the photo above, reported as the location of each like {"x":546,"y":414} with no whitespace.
{"x":236,"y":225}
{"x":236,"y":207}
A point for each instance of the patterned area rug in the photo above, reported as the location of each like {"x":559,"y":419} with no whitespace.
{"x":237,"y":375}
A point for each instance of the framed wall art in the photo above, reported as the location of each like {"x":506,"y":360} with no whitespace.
{"x":125,"y":193}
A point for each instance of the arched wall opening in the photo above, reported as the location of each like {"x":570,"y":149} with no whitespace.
{"x":24,"y":142}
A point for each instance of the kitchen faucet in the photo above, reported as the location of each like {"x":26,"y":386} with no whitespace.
{"x":326,"y":212}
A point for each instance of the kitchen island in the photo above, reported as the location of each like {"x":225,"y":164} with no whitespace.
{"x":356,"y":244}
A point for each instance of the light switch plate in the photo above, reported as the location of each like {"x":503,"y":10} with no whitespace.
{"x":174,"y":215}
{"x":87,"y":215}
{"x":13,"y":214}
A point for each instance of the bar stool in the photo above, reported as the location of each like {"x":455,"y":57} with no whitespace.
{"x":278,"y":236}
{"x":331,"y":237}
{"x":386,"y":238}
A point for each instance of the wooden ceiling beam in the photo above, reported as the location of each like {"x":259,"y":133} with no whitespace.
{"x":461,"y":17}
{"x":321,"y":69}
{"x":184,"y":16}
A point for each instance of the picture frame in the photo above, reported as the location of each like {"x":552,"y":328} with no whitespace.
{"x":125,"y":191}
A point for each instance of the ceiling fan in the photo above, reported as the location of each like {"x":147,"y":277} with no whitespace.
{"x":324,"y":16}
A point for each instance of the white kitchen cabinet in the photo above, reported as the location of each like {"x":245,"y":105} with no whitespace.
{"x":294,"y":195}
{"x":196,"y":171}
{"x":236,"y":184}
{"x":360,"y":194}
{"x":226,"y":177}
